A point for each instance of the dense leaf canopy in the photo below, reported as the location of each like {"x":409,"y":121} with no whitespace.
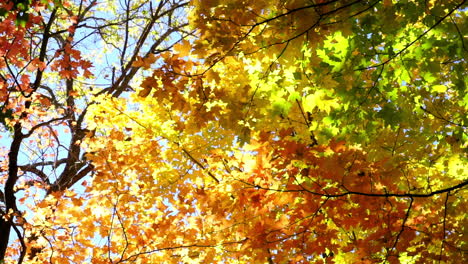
{"x":235,"y":132}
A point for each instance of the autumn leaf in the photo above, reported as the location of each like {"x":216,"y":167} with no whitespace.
{"x":183,"y":48}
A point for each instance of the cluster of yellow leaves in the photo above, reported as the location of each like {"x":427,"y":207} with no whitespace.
{"x":269,"y":196}
{"x":231,"y":151}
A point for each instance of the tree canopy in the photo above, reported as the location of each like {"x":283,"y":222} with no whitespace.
{"x":231,"y":131}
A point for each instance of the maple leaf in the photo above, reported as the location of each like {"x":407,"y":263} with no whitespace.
{"x":183,"y":48}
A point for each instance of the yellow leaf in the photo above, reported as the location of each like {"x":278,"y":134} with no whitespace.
{"x":183,"y":48}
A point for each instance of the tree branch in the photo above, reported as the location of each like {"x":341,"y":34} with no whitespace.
{"x":347,"y":193}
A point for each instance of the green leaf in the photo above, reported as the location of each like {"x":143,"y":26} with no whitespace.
{"x":297,"y":76}
{"x":281,"y":107}
{"x":294,"y":96}
{"x":390,"y":114}
{"x":3,"y":12}
{"x":22,"y":19}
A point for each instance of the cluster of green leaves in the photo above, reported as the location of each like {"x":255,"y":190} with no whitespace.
{"x":21,"y":9}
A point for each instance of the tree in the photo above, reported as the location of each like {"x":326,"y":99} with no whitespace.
{"x":54,"y":56}
{"x":277,"y":132}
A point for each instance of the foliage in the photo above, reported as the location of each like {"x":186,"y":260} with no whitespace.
{"x":272,"y":132}
{"x":50,"y":67}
